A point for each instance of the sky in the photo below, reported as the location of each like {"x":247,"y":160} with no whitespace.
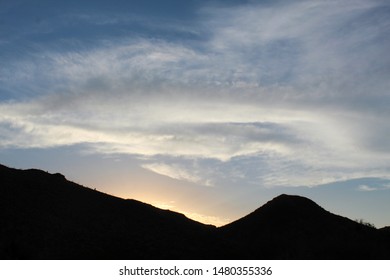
{"x":209,"y":108}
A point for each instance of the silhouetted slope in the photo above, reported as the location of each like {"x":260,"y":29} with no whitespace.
{"x":44,"y":216}
{"x":294,"y":227}
{"x":385,"y":229}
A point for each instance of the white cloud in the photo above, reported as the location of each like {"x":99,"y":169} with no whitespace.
{"x":298,"y":87}
{"x":177,"y":172}
{"x":365,"y":188}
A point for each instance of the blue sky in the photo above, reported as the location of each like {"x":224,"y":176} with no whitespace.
{"x":205,"y":107}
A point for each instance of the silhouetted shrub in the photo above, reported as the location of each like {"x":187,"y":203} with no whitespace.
{"x":363,"y":222}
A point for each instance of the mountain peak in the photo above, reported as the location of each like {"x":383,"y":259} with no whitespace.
{"x":293,"y":199}
{"x":284,"y":213}
{"x":291,"y":204}
{"x":296,"y":227}
{"x":286,"y":208}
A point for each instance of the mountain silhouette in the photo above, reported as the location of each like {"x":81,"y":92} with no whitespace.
{"x":45,"y":216}
{"x":294,"y":227}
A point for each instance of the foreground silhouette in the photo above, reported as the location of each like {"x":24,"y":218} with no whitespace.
{"x":44,"y":216}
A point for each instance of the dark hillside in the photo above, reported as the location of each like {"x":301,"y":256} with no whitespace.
{"x":44,"y":216}
{"x":294,"y":227}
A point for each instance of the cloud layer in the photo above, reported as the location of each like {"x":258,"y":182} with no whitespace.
{"x":287,"y":94}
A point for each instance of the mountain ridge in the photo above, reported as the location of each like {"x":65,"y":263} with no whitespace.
{"x":314,"y":231}
{"x":45,"y":216}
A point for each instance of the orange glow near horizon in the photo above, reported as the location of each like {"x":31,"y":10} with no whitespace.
{"x":165,"y":203}
{"x":194,"y":202}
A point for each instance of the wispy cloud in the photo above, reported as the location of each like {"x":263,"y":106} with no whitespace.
{"x":365,"y":188}
{"x":297,"y":89}
{"x":177,"y":172}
